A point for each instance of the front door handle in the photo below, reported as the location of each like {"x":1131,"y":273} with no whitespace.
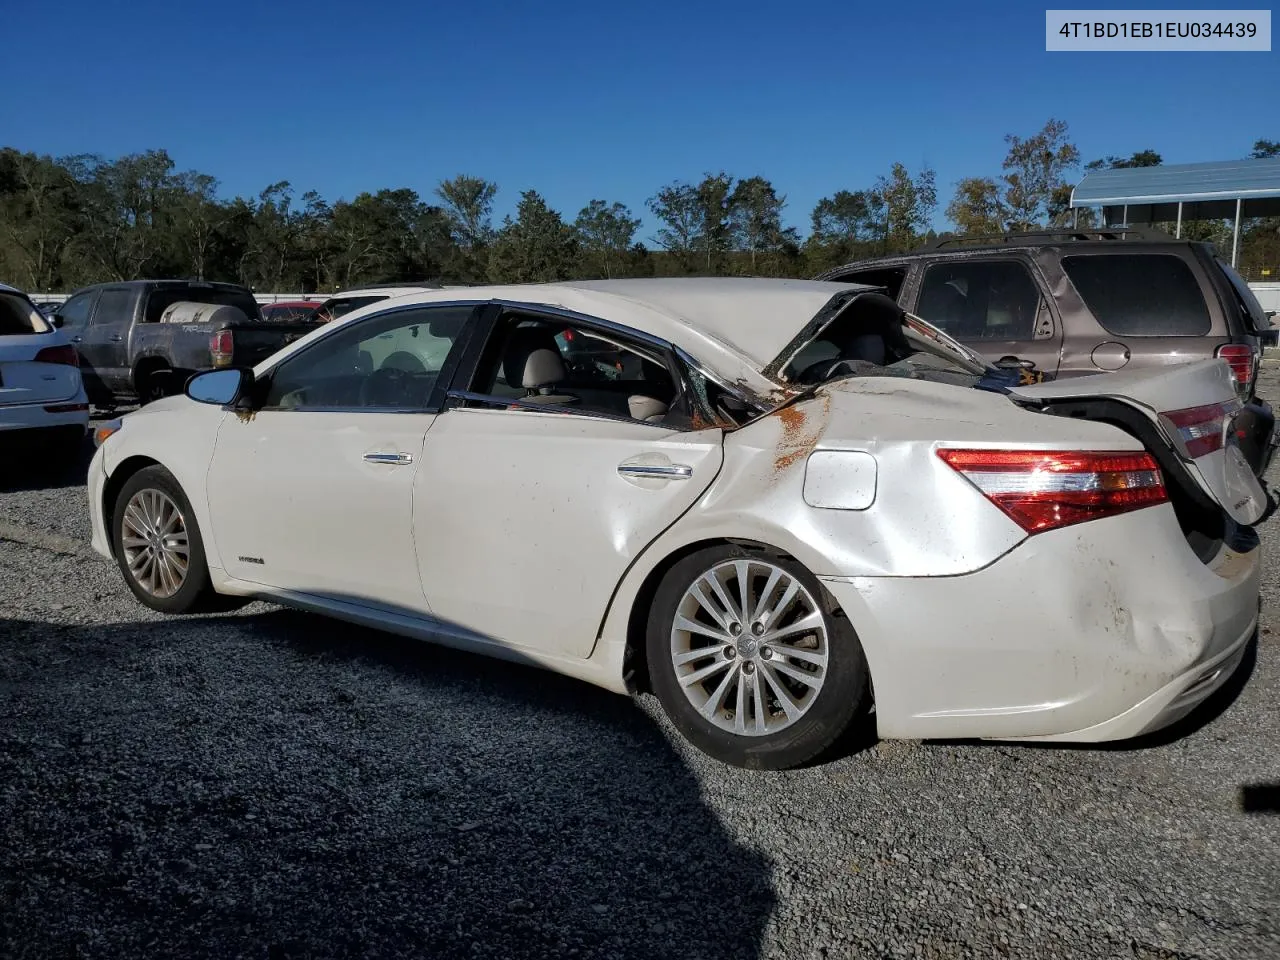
{"x":117,"y":338}
{"x":392,"y":458}
{"x":77,"y":339}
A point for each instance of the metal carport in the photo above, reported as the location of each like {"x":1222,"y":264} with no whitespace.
{"x":1229,"y":189}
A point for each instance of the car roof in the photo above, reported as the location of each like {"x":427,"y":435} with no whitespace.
{"x":737,"y":325}
{"x":964,"y":250}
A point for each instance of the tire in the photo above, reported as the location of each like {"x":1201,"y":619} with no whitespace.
{"x":156,"y":486}
{"x":154,"y":385}
{"x":768,"y":738}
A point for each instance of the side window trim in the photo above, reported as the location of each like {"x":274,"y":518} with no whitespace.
{"x":435,"y":402}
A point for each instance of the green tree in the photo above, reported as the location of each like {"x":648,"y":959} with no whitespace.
{"x":909,"y":203}
{"x":977,"y":209}
{"x":605,"y":233}
{"x":1262,"y":149}
{"x":1035,"y":171}
{"x":678,"y":208}
{"x":536,"y":247}
{"x":468,"y":201}
{"x":755,"y":219}
{"x":715,"y":228}
{"x":38,"y":210}
{"x":1141,"y":158}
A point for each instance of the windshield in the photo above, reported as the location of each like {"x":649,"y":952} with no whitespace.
{"x":19,"y":316}
{"x":869,"y":334}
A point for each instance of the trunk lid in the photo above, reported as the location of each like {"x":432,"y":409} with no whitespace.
{"x":1194,"y":407}
{"x":24,"y":380}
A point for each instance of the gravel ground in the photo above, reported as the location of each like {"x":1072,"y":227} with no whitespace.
{"x":274,"y":784}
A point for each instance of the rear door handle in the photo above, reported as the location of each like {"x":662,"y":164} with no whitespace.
{"x":653,"y":468}
{"x":391,"y":458}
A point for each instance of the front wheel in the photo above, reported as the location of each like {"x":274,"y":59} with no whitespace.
{"x":752,"y":660}
{"x":158,"y":545}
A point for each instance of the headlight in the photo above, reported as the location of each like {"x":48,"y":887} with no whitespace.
{"x":104,"y":430}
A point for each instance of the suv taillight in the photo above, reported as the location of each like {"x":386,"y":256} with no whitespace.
{"x":221,"y":345}
{"x":65,"y":354}
{"x":1241,"y":358}
{"x":1046,"y":489}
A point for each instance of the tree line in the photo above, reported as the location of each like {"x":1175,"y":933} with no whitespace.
{"x":68,"y":221}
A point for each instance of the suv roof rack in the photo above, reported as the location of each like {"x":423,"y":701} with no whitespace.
{"x":1068,"y":234}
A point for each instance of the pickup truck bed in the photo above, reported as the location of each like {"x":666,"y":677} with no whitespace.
{"x":127,"y":354}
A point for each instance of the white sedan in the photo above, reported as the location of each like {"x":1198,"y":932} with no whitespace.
{"x":781,"y":506}
{"x":43,"y":406}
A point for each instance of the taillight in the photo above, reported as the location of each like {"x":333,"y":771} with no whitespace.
{"x":1046,"y":489}
{"x":221,"y":345}
{"x":568,"y":335}
{"x":1202,"y":429}
{"x":1241,"y":359}
{"x":65,"y":354}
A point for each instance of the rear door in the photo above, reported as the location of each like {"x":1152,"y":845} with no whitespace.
{"x":537,"y":491}
{"x":27,"y":373}
{"x":105,"y":344}
{"x":995,"y":306}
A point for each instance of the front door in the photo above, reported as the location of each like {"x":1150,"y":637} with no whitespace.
{"x":314,"y":492}
{"x":533,"y":501}
{"x":995,"y":308}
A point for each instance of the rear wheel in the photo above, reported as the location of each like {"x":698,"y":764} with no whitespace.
{"x":158,"y":545}
{"x":751,"y":659}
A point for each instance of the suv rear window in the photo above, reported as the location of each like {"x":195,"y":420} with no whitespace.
{"x":18,"y":316}
{"x":165,"y":297}
{"x":1140,"y":294}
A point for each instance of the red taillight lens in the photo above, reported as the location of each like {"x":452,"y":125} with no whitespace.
{"x":1201,"y":428}
{"x":64,"y":354}
{"x":221,"y":345}
{"x":568,"y":335}
{"x":1045,"y":489}
{"x":1241,"y":359}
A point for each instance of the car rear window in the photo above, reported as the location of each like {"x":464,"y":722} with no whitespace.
{"x":336,"y":307}
{"x":1140,"y":295}
{"x":165,"y":297}
{"x":18,"y":316}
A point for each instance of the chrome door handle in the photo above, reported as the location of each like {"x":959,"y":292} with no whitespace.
{"x":393,"y":458}
{"x":656,"y":471}
{"x":116,"y":339}
{"x":77,"y":339}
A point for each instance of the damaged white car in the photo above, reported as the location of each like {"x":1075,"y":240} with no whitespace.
{"x":781,"y":506}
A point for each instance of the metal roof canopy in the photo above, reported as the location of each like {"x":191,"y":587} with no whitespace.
{"x":1229,"y":189}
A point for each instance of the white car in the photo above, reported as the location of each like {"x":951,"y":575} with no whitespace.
{"x":42,"y":400}
{"x":779,"y":505}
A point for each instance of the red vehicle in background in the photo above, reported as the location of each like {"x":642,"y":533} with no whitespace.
{"x":289,"y":311}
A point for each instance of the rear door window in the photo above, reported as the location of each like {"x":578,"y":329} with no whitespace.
{"x":981,"y":299}
{"x":114,"y":306}
{"x":1140,"y":294}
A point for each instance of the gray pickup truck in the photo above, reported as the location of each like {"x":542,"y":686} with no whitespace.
{"x":135,"y":343}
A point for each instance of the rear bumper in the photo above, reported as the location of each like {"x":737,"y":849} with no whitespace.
{"x":30,"y":418}
{"x":1100,"y":631}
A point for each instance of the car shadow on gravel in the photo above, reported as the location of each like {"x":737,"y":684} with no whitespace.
{"x":23,"y":467}
{"x":285,"y":785}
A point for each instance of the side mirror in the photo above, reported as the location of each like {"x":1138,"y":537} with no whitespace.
{"x":220,"y":387}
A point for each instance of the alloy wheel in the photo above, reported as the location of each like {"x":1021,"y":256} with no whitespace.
{"x":749,"y":645}
{"x":154,"y":540}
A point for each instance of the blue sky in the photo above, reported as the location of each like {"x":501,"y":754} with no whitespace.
{"x":609,"y":100}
